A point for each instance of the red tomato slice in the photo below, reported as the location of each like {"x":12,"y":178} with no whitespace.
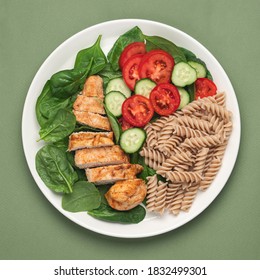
{"x":157,"y":65}
{"x":130,"y":70}
{"x":124,"y":124}
{"x":165,"y":99}
{"x":204,"y":88}
{"x":130,"y":50}
{"x":137,"y":110}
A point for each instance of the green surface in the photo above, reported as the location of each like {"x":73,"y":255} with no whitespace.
{"x":31,"y":228}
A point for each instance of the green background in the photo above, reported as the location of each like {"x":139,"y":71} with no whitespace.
{"x":31,"y":228}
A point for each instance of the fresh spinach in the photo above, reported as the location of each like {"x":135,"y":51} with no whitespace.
{"x":157,"y":42}
{"x":108,"y":74}
{"x":65,"y":83}
{"x":84,"y":57}
{"x":114,"y":124}
{"x":106,"y":213}
{"x":133,"y":35}
{"x":191,"y":90}
{"x":54,"y":169}
{"x":79,"y":128}
{"x":58,"y":127}
{"x":46,"y":91}
{"x":84,"y":197}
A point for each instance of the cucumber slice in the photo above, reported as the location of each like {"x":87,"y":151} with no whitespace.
{"x":200,"y":69}
{"x":144,"y":87}
{"x":183,"y":74}
{"x":132,"y":139}
{"x":185,"y":97}
{"x":118,"y":84}
{"x":114,"y":101}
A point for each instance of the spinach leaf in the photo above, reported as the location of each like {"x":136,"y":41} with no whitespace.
{"x":84,"y":57}
{"x":106,"y":213}
{"x":58,"y":127}
{"x":108,"y":74}
{"x":133,"y":35}
{"x":191,"y":91}
{"x":54,"y":169}
{"x":46,"y":91}
{"x":84,"y":197}
{"x":65,"y":83}
{"x":114,"y":125}
{"x":157,"y":42}
{"x":79,"y":128}
{"x":147,"y":171}
{"x":63,"y":145}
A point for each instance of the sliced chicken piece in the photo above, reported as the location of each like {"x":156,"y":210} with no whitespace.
{"x":125,"y":195}
{"x":80,"y":140}
{"x":112,"y":173}
{"x":94,"y":157}
{"x":93,"y":87}
{"x":89,"y":104}
{"x":92,"y":119}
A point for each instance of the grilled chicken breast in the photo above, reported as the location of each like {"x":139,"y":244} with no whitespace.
{"x":92,"y":119}
{"x":125,"y":195}
{"x":94,"y":157}
{"x":89,"y":104}
{"x":80,"y":140}
{"x":113,"y":173}
{"x":94,"y":87}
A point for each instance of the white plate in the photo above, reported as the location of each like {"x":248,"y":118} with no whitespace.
{"x":63,"y":58}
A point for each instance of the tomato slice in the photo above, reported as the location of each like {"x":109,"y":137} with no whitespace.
{"x":124,"y":124}
{"x":137,"y":110}
{"x":157,"y":65}
{"x":130,"y":70}
{"x":130,"y":50}
{"x":165,"y":99}
{"x":204,"y":88}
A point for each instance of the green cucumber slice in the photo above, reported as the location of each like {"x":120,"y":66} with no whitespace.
{"x":118,"y":84}
{"x":183,"y":74}
{"x":144,"y":87}
{"x":114,"y":101}
{"x":132,"y":139}
{"x":200,"y":69}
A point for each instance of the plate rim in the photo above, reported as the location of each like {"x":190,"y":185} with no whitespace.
{"x":69,"y":215}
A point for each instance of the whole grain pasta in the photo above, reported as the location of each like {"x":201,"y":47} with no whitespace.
{"x":186,"y":148}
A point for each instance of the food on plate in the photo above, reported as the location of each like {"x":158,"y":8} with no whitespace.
{"x":130,"y":70}
{"x":89,"y":104}
{"x":201,"y":131}
{"x":85,"y":158}
{"x":137,"y":110}
{"x":130,"y":50}
{"x":156,"y":65}
{"x":165,"y":99}
{"x":143,"y":125}
{"x":88,"y":139}
{"x":204,"y":87}
{"x":93,"y":87}
{"x":132,"y":140}
{"x":92,"y":120}
{"x":125,"y":195}
{"x":113,"y":173}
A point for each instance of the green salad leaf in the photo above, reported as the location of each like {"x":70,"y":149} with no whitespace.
{"x":65,"y":83}
{"x":106,"y":213}
{"x":55,"y":170}
{"x":84,"y":197}
{"x":157,"y":42}
{"x":84,"y":58}
{"x":133,"y":35}
{"x":59,"y":126}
